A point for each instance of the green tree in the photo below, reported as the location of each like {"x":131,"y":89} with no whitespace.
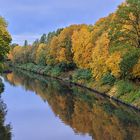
{"x":43,"y":38}
{"x":25,"y":43}
{"x":125,"y":28}
{"x":36,"y":42}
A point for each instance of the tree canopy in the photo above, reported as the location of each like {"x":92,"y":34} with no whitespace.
{"x":111,"y":45}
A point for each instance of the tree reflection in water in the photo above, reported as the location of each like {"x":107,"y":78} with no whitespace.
{"x":84,"y":111}
{"x":5,"y":133}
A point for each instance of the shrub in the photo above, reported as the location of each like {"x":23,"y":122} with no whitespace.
{"x":55,"y":71}
{"x":124,"y":87}
{"x":29,"y":66}
{"x":82,"y":74}
{"x":66,"y":66}
{"x":108,"y":79}
{"x":47,"y":69}
{"x":133,"y":96}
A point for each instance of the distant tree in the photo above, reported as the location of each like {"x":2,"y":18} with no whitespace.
{"x":43,"y":38}
{"x":58,"y":31}
{"x":25,"y":43}
{"x":52,"y":34}
{"x":36,"y":42}
{"x":14,"y":45}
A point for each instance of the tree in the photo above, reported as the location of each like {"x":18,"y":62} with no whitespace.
{"x":5,"y":40}
{"x":43,"y":38}
{"x":52,"y":34}
{"x":52,"y":51}
{"x":113,"y":63}
{"x":36,"y":42}
{"x":125,"y":28}
{"x":41,"y":54}
{"x":99,"y":56}
{"x":65,"y":53}
{"x":25,"y":43}
{"x":82,"y":47}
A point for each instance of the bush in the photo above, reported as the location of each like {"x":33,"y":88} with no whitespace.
{"x":82,"y":74}
{"x":66,"y":66}
{"x":56,"y":71}
{"x":124,"y":87}
{"x":108,"y":79}
{"x":132,"y":96}
{"x":47,"y":70}
{"x":29,"y":66}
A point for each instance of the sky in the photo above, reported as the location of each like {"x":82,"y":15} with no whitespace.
{"x":29,"y":19}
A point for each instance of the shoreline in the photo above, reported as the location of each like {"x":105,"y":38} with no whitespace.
{"x":104,"y":94}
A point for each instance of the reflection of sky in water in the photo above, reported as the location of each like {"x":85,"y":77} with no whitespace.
{"x":32,"y":119}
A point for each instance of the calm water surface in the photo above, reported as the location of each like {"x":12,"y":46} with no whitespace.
{"x":41,"y":108}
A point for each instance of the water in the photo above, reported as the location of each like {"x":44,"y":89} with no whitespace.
{"x":41,"y":108}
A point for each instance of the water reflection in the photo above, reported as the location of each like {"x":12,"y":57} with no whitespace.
{"x":5,"y":133}
{"x":83,"y":111}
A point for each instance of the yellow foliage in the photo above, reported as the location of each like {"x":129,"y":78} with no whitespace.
{"x":82,"y":47}
{"x":62,"y":55}
{"x":65,"y":43}
{"x":52,"y":51}
{"x":99,"y":56}
{"x":39,"y":51}
{"x":113,"y":64}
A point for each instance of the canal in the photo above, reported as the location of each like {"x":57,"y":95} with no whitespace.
{"x":42,"y":108}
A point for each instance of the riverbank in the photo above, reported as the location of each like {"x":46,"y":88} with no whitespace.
{"x":123,"y":91}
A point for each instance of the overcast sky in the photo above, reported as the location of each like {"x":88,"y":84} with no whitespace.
{"x":28,"y":19}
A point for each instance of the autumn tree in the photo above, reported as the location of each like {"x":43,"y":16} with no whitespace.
{"x":65,"y":53}
{"x":5,"y":39}
{"x":99,"y":56}
{"x":52,"y":34}
{"x":59,"y":48}
{"x":125,"y":28}
{"x":41,"y":54}
{"x":82,"y":47}
{"x":52,"y":51}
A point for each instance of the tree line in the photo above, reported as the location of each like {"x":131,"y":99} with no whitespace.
{"x":109,"y":47}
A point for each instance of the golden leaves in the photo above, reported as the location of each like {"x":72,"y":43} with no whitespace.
{"x":113,"y":64}
{"x":82,"y":47}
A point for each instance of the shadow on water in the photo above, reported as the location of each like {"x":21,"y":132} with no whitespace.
{"x":5,"y":133}
{"x":84,"y":111}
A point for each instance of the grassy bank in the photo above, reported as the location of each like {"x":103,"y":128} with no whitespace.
{"x":124,"y":90}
